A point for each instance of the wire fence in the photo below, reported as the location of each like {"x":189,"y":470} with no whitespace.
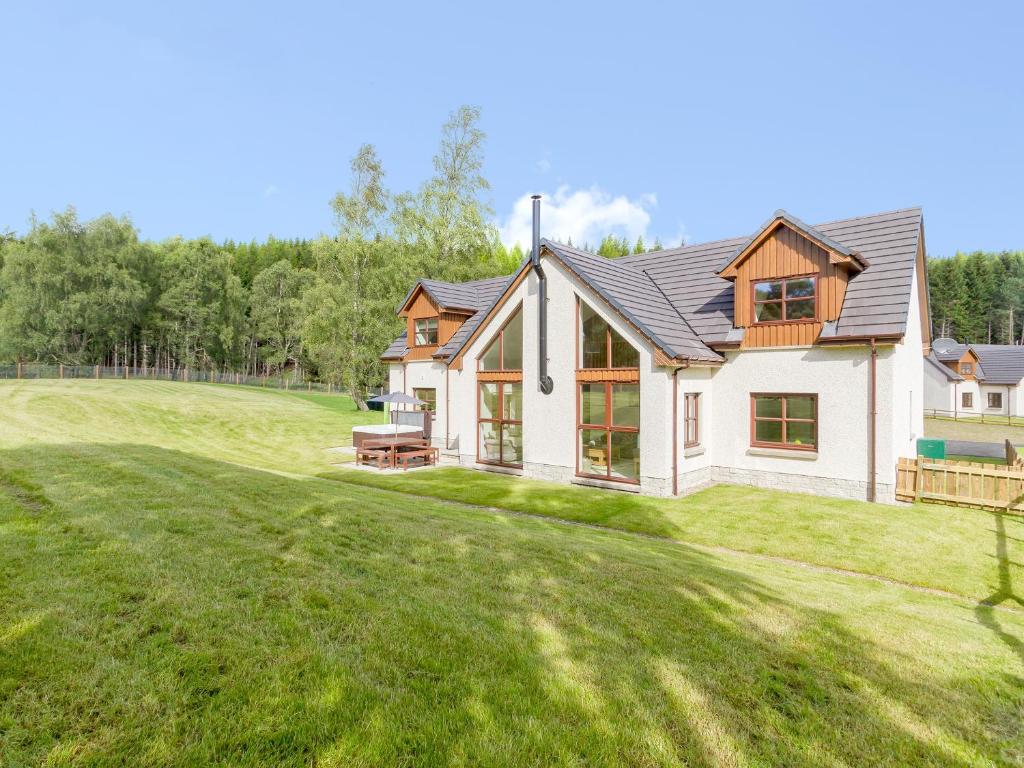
{"x":288,"y":381}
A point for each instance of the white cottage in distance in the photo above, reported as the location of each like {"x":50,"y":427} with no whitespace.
{"x":792,"y":358}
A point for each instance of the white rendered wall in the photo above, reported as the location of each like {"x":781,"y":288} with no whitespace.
{"x":907,"y":406}
{"x":695,"y":463}
{"x":406,"y":377}
{"x":938,"y":390}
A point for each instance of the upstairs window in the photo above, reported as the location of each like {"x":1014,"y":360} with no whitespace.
{"x":966,"y":369}
{"x":426,"y":331}
{"x":787,"y":300}
{"x":506,"y":351}
{"x":601,"y":346}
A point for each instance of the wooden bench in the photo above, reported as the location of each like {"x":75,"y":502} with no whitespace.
{"x":426,"y":455}
{"x":380,"y":457}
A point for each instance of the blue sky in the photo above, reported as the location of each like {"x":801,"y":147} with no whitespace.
{"x":667,"y":119}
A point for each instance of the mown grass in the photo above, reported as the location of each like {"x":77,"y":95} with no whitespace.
{"x":971,"y":429}
{"x":160,"y":606}
{"x":924,"y":544}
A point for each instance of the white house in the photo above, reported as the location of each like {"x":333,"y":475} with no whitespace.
{"x":974,"y":379}
{"x":792,"y":358}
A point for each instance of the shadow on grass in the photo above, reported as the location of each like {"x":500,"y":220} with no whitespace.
{"x":985,"y":613}
{"x":160,"y":608}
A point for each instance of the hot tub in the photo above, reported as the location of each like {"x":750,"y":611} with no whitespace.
{"x":377,"y":431}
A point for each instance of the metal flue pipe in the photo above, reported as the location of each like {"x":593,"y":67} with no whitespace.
{"x":544,"y":381}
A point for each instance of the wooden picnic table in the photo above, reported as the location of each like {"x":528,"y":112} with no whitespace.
{"x":394,"y":444}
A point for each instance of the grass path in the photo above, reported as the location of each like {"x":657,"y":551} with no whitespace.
{"x":924,"y":545}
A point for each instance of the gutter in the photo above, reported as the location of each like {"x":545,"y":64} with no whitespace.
{"x":872,"y":426}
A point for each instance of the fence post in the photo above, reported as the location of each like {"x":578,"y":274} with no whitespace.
{"x":309,"y":386}
{"x":62,"y":370}
{"x":97,"y":372}
{"x":19,"y":369}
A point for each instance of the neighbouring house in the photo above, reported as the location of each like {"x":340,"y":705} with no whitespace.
{"x":791,"y":358}
{"x":974,"y":379}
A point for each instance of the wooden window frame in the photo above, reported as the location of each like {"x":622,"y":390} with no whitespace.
{"x":416,"y":331}
{"x":608,"y":428}
{"x":607,"y":342}
{"x":416,"y":393}
{"x":784,"y":300}
{"x":691,"y":415}
{"x":999,"y":396}
{"x":499,"y":339}
{"x":500,"y":422}
{"x":966,"y":369}
{"x":966,"y":399}
{"x":783,"y":445}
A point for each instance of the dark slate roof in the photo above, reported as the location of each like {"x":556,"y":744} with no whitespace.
{"x":486,"y":293}
{"x":877,"y":299}
{"x":951,"y":353}
{"x":473,"y":295}
{"x":637,"y":298}
{"x":397,"y":349}
{"x":949,"y":373}
{"x":1000,"y":363}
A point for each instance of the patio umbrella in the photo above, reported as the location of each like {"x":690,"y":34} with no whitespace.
{"x":397,"y":398}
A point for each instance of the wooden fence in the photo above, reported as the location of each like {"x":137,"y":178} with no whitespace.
{"x":1001,"y":419}
{"x":963,"y":483}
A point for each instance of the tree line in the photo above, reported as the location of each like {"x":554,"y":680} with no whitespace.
{"x":978,"y":297}
{"x":92,"y":292}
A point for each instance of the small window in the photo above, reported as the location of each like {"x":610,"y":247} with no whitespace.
{"x":426,"y":331}
{"x":784,"y":421}
{"x":995,"y":399}
{"x":506,"y":351}
{"x":691,"y":419}
{"x":966,"y":369}
{"x":967,"y":400}
{"x":785,"y":301}
{"x":429,"y":398}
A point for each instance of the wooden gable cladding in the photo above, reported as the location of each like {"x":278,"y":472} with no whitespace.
{"x":421,"y":306}
{"x":967,"y":358}
{"x":787,"y":253}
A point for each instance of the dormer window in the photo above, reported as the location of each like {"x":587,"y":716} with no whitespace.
{"x":426,"y":331}
{"x":966,"y":369}
{"x":786,"y":300}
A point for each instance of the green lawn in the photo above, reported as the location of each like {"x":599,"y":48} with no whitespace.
{"x":974,"y":430}
{"x":924,"y":544}
{"x":167,"y":600}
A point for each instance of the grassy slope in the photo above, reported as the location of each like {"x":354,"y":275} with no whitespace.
{"x":162,"y":607}
{"x":268,"y":429}
{"x":927,"y":545}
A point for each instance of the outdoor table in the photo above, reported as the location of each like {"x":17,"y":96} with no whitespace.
{"x":394,"y":444}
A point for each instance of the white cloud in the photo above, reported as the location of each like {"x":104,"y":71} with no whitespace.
{"x":586,"y":215}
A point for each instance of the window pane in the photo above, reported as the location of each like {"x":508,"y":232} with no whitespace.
{"x":513,"y":345}
{"x":491,"y":360}
{"x":429,"y":398}
{"x":769,"y":406}
{"x":594,"y":451}
{"x":799,"y":407}
{"x":489,"y":401}
{"x":626,"y":405}
{"x":768,"y":431}
{"x":623,"y":353}
{"x":800,"y":310}
{"x":800,"y":433}
{"x":490,"y":441}
{"x":512,"y":401}
{"x":592,"y":404}
{"x":767,"y":291}
{"x":626,"y":455}
{"x":595,"y":339}
{"x":766,"y":313}
{"x":512,"y":443}
{"x":796,"y":289}
{"x":691,"y":432}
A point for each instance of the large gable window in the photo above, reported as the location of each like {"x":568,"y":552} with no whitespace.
{"x":786,"y":300}
{"x":506,"y":351}
{"x":426,"y":331}
{"x":601,"y":346}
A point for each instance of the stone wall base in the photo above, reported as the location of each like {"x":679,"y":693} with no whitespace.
{"x":698,"y":479}
{"x":819,"y":486}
